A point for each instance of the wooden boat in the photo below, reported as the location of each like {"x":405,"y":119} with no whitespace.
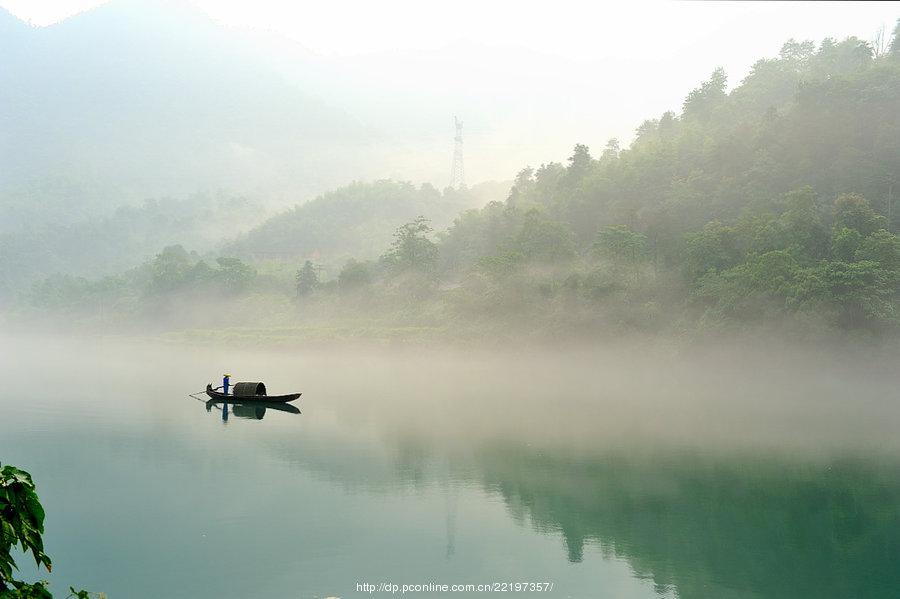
{"x":249,"y":393}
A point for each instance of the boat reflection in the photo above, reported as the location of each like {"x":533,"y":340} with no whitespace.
{"x":255,"y":410}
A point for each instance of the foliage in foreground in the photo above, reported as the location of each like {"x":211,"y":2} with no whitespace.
{"x":22,"y":524}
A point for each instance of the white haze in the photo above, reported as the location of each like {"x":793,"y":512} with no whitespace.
{"x":530,"y":79}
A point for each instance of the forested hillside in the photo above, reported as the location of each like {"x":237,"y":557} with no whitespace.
{"x":776,"y":198}
{"x":356,"y":221}
{"x":772,"y":204}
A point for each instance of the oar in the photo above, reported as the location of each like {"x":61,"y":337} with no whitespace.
{"x":194,"y":395}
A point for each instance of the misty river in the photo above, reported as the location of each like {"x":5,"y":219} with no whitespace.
{"x":618,"y":473}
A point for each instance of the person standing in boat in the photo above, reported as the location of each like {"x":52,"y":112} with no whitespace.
{"x":226,"y":382}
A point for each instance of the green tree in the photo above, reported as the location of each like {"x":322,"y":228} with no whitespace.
{"x":307,"y":279}
{"x":170,"y":268}
{"x":541,"y":239}
{"x":853,"y":211}
{"x":704,"y":100}
{"x":620,"y":243}
{"x":579,"y":162}
{"x":843,"y":58}
{"x":612,"y":149}
{"x":354,"y":275}
{"x":713,"y":248}
{"x":746,"y":291}
{"x":859,"y":292}
{"x":881,"y":247}
{"x":234,"y":274}
{"x":521,"y":187}
{"x":797,"y":53}
{"x":845,"y":243}
{"x":801,"y":225}
{"x":412,"y":249}
{"x":500,"y":266}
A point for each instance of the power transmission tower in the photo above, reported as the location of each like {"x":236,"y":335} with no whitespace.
{"x":458,"y":169}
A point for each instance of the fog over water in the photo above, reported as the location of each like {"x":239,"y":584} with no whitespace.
{"x":433,"y":465}
{"x":707,"y":396}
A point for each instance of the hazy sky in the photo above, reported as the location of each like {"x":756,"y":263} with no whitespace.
{"x":589,"y":29}
{"x":530,"y":78}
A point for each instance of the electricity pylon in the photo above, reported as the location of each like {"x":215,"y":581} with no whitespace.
{"x":458,"y":169}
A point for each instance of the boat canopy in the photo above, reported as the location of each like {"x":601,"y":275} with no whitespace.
{"x":249,"y":389}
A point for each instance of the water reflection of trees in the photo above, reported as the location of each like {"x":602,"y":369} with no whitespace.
{"x":708,"y":524}
{"x":739,"y":527}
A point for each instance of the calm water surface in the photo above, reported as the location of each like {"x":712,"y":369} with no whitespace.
{"x":612,"y":474}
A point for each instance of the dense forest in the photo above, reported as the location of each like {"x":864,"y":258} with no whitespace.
{"x":772,"y":204}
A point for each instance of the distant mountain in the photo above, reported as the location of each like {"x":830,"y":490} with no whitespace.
{"x":128,"y":236}
{"x":138,"y":99}
{"x":141,"y":99}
